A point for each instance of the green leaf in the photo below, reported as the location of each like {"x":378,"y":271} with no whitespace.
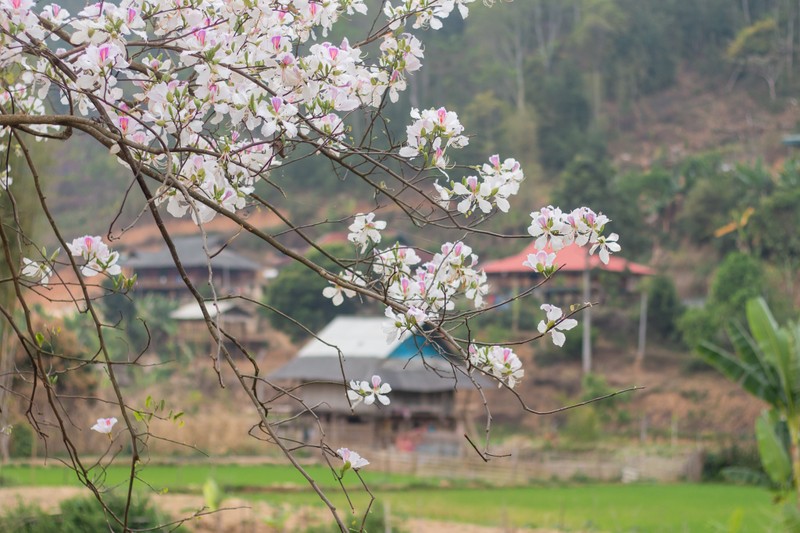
{"x":750,"y":378}
{"x":748,"y":351}
{"x":774,"y":344}
{"x":212,"y":494}
{"x":39,"y":339}
{"x":774,"y":456}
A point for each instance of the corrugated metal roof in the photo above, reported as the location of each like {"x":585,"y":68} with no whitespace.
{"x":192,"y":311}
{"x":403,"y":375}
{"x":191,"y":253}
{"x":406,"y":366}
{"x":355,"y":336}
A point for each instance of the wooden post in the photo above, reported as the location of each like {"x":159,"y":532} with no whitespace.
{"x":515,"y":305}
{"x":642,"y":327}
{"x":586,"y":351}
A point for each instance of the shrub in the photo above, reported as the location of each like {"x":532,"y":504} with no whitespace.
{"x":84,"y":515}
{"x":21,"y":441}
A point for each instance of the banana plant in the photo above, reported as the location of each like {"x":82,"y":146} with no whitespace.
{"x":765,"y":362}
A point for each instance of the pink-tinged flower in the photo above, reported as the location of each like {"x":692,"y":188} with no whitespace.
{"x":351,"y":460}
{"x":97,"y":255}
{"x":499,"y":361}
{"x":541,"y":262}
{"x":505,"y":365}
{"x":102,"y":53}
{"x":104,"y":425}
{"x":548,"y":223}
{"x":556,"y":324}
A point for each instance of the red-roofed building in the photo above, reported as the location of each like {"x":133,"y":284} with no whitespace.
{"x":573,"y":258}
{"x":510,"y":276}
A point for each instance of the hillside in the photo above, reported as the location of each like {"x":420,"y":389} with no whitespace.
{"x":701,"y":114}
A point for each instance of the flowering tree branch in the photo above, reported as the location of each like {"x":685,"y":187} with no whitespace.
{"x":203,"y":100}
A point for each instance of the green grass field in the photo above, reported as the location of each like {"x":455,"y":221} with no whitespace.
{"x":679,"y":508}
{"x":639,"y":508}
{"x":191,"y":477}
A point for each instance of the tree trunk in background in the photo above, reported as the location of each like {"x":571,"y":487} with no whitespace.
{"x":790,"y":44}
{"x":6,"y":364}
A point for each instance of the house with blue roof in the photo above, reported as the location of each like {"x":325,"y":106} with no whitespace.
{"x":423,"y":377}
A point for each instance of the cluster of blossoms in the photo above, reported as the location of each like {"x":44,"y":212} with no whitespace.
{"x":163,"y":75}
{"x":368,"y":392}
{"x":432,"y":287}
{"x":400,"y":55}
{"x":431,"y":134}
{"x":96,"y":254}
{"x":493,"y":185}
{"x":209,"y":96}
{"x":498,"y":361}
{"x":425,"y":12}
{"x":582,"y":226}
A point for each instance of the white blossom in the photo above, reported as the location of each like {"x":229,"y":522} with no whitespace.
{"x":365,"y":229}
{"x":555,"y":324}
{"x":37,"y":270}
{"x":351,"y":459}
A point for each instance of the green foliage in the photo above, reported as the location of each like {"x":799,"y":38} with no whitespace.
{"x":592,"y":181}
{"x":766,"y":230}
{"x":22,"y":438}
{"x":696,"y":222}
{"x":697,"y":324}
{"x":595,"y":386}
{"x":739,"y":278}
{"x":564,"y":114}
{"x":582,"y":425}
{"x":84,"y":515}
{"x":212,"y":494}
{"x":719,"y":464}
{"x":772,"y":450}
{"x":644,"y":59}
{"x":766,"y":364}
{"x":548,"y":354}
{"x":297,"y":291}
{"x":758,"y":39}
{"x":664,"y":308}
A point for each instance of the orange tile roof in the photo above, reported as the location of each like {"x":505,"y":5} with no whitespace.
{"x":570,"y":259}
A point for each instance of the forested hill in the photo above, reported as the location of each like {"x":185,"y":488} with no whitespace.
{"x":641,"y":108}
